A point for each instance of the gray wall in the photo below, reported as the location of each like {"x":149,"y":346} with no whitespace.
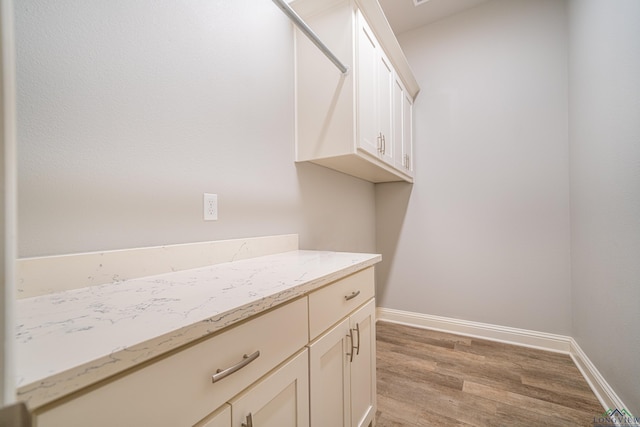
{"x":605,"y":188}
{"x":128,"y":111}
{"x":483,"y":235}
{"x":7,"y":205}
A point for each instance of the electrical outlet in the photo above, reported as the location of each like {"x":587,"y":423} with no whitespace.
{"x":210,"y":207}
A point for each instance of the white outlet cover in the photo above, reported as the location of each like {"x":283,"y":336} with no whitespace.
{"x":210,"y":205}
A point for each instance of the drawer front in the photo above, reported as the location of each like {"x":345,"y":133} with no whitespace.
{"x":335,"y":301}
{"x":178,"y":390}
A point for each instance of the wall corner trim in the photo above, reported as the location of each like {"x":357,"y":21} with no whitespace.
{"x":522,"y":337}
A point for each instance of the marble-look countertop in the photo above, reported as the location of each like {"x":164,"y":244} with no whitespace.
{"x":71,"y":339}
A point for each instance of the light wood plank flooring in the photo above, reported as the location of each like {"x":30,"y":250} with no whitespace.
{"x":429,"y":378}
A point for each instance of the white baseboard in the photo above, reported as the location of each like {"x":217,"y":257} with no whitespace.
{"x":523,"y":337}
{"x":603,"y":391}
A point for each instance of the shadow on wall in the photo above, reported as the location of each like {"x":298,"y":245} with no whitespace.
{"x":337,"y":210}
{"x":392,"y":201}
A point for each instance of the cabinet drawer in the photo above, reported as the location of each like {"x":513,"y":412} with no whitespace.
{"x":335,"y":301}
{"x":178,"y":390}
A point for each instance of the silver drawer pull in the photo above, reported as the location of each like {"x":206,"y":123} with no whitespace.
{"x":350,"y":354}
{"x":352,"y":296}
{"x":223,"y":373}
{"x":249,"y":422}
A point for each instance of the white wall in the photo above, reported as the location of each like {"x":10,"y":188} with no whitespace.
{"x":483,"y":235}
{"x":605,"y":188}
{"x":7,"y":203}
{"x":129,"y":111}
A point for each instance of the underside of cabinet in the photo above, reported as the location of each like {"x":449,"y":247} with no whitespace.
{"x":371,"y":170}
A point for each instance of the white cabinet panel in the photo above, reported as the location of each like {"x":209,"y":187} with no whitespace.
{"x":398,"y":125}
{"x":363,"y":368}
{"x":329,"y":372}
{"x":384,"y":104}
{"x":367,"y":54}
{"x":407,"y":133}
{"x":403,"y":128}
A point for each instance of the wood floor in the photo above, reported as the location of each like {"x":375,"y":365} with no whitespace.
{"x":429,"y":378}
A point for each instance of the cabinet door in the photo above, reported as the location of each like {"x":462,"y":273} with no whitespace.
{"x":329,"y":371}
{"x":398,"y":123}
{"x":279,"y":400}
{"x":402,"y":128}
{"x":384,"y":104}
{"x":220,"y":418}
{"x":407,"y":133}
{"x":363,"y":367}
{"x":367,"y":62}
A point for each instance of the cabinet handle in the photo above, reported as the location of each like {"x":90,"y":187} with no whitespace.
{"x":384,"y":144}
{"x":352,"y":296}
{"x":249,"y":422}
{"x":358,"y":336}
{"x":350,"y":354}
{"x":379,"y":139}
{"x":223,"y":373}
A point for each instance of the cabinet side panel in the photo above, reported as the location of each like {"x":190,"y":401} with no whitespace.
{"x":363,"y":368}
{"x":324,"y":96}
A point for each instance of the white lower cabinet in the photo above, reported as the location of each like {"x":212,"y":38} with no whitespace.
{"x":342,"y":372}
{"x":178,"y":390}
{"x":309,"y":362}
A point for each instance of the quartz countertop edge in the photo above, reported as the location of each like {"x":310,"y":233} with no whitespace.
{"x":134,"y":321}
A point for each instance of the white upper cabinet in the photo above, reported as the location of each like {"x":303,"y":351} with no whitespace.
{"x":349,"y":122}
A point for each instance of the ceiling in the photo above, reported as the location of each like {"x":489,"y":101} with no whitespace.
{"x":403,"y":15}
